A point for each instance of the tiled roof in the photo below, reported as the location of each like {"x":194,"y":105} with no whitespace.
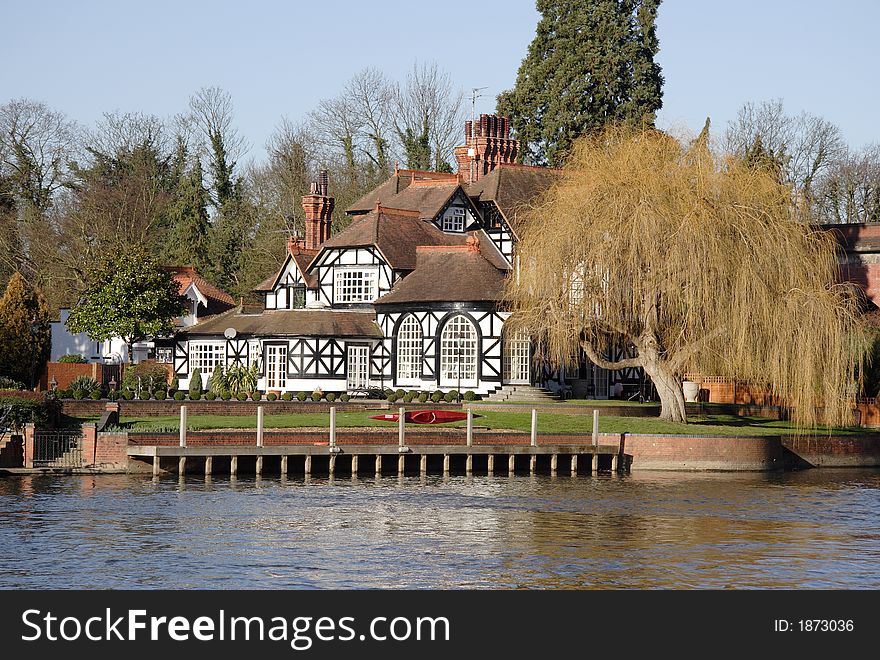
{"x":396,"y":234}
{"x":291,"y":323}
{"x":513,"y":188}
{"x":186,"y":275}
{"x":394,"y":185}
{"x":302,"y":258}
{"x":448,"y":274}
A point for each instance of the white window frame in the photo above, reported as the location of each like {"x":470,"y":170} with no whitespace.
{"x":516,"y":357}
{"x":409,"y":351}
{"x":455,"y":219}
{"x":276,"y":366}
{"x":355,"y":284}
{"x":458,"y":364}
{"x":205,"y":355}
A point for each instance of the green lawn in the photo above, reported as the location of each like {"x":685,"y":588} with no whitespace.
{"x":714,"y":424}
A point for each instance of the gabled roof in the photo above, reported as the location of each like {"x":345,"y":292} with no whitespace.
{"x":448,"y":274}
{"x":291,"y":323}
{"x":302,"y":258}
{"x":514,"y":188}
{"x":394,"y":185}
{"x":215,"y":300}
{"x":396,"y":233}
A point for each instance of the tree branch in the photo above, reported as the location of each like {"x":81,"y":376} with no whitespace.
{"x":610,"y":365}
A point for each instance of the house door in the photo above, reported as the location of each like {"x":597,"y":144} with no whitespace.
{"x":516,"y":358}
{"x":358,"y":365}
{"x":276,"y":367}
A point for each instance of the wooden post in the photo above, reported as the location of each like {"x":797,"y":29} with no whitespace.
{"x":378,"y":464}
{"x":469,"y":464}
{"x":181,"y":465}
{"x":307,"y":467}
{"x":614,"y":463}
{"x":183,"y":426}
{"x":156,"y":465}
{"x":446,"y":463}
{"x":470,"y":428}
{"x":259,"y":467}
{"x":233,"y":466}
{"x":332,"y":426}
{"x":423,"y":464}
{"x":401,"y":464}
{"x":554,"y":458}
{"x":595,"y":428}
{"x":534,"y":428}
{"x":259,"y":427}
{"x":511,"y":463}
{"x":533,"y":461}
{"x":284,"y":466}
{"x":331,"y":469}
{"x":574,"y":463}
{"x":490,"y":464}
{"x":595,"y":467}
{"x":209,"y":465}
{"x":354,"y":465}
{"x":401,"y":427}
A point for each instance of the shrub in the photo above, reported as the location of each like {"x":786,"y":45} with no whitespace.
{"x":179,"y":396}
{"x":195,"y":384}
{"x":408,"y":397}
{"x":436,"y":396}
{"x":149,"y":375}
{"x":301,"y":396}
{"x":469,"y":395}
{"x":388,"y":391}
{"x":256,"y":395}
{"x":226,"y":395}
{"x":345,"y":397}
{"x":449,"y":397}
{"x":74,"y":358}
{"x":78,"y":394}
{"x":159,"y":395}
{"x":128,"y":395}
{"x":454,"y":393}
{"x":10,"y":384}
{"x":392,"y":397}
{"x":195,"y":396}
{"x":423,"y":397}
{"x":85,"y":384}
{"x":331,"y":397}
{"x":175,"y":385}
{"x":287,"y":396}
{"x":96,"y":394}
{"x":241,"y":396}
{"x":271,"y":396}
{"x":144,"y":395}
{"x":22,"y":407}
{"x":400,"y":393}
{"x":316,"y":396}
{"x":235,"y":378}
{"x":210,"y":396}
{"x":113,"y":395}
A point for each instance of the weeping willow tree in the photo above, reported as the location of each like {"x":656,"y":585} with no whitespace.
{"x":699,"y":263}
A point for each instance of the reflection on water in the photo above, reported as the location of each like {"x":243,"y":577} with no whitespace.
{"x":813,"y":529}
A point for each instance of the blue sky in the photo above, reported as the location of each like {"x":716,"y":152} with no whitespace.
{"x":279,"y":58}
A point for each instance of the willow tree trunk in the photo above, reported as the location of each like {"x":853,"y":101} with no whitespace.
{"x":668,"y":386}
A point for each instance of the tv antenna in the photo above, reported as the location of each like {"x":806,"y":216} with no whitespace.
{"x":474,"y":96}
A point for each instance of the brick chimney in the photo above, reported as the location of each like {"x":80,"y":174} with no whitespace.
{"x":318,"y":208}
{"x":487,"y":145}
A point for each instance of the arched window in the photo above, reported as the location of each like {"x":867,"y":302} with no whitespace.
{"x":458,"y":353}
{"x":409,"y":351}
{"x":516,"y":357}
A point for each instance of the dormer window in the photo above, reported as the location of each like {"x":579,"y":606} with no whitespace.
{"x":355,"y":284}
{"x":454,"y":219}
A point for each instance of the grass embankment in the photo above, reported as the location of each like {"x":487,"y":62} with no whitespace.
{"x":715,"y":424}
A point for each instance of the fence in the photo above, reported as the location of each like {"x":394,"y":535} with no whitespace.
{"x":58,"y":449}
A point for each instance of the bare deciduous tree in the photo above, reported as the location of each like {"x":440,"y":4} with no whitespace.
{"x":697,"y":261}
{"x":849,"y":191}
{"x":213,"y":117}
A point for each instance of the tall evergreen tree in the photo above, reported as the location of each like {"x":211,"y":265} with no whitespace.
{"x":188,"y":216}
{"x":591,"y":62}
{"x":24,"y":331}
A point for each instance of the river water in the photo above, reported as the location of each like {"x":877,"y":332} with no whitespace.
{"x":811,"y":529}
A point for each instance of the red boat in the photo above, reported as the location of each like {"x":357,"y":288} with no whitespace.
{"x":425,"y":416}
